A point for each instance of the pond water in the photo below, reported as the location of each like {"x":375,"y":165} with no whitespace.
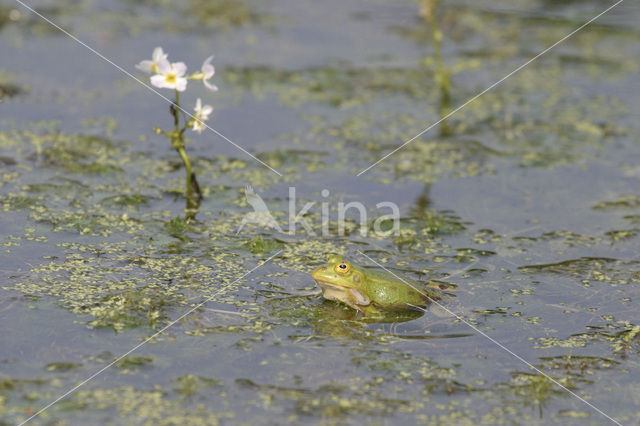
{"x":527,"y":199}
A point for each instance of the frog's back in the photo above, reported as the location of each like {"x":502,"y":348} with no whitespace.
{"x":385,"y":289}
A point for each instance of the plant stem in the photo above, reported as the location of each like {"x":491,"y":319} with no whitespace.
{"x":442,"y":73}
{"x":192,"y":192}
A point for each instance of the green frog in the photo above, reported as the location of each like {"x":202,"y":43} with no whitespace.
{"x":372,"y":291}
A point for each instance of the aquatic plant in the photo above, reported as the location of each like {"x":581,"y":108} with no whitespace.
{"x":442,"y":74}
{"x":172,"y":75}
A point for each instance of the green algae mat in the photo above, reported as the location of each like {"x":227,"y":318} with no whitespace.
{"x":117,"y":307}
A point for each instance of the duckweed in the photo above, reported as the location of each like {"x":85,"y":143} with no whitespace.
{"x":527,"y":203}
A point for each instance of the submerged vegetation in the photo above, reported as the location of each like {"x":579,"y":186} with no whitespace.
{"x":526,"y":199}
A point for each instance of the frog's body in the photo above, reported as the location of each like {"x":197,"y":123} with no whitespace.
{"x":370,"y":291}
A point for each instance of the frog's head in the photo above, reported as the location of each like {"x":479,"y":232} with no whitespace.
{"x":338,"y":273}
{"x":340,"y":280}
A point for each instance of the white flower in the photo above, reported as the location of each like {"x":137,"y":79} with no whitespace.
{"x":207,"y":72}
{"x":152,"y":65}
{"x":201,"y":115}
{"x":170,"y":76}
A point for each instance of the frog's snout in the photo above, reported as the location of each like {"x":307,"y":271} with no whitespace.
{"x":316,"y":274}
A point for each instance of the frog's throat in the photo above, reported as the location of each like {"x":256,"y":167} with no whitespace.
{"x":348,"y":295}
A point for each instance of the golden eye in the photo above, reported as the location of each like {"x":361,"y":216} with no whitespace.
{"x":342,"y":268}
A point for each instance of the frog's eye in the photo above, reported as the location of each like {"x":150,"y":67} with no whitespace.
{"x":342,"y":267}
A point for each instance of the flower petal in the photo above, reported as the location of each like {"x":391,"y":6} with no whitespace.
{"x":158,"y":54}
{"x":198,"y":126}
{"x":145,"y":66}
{"x":164,"y":66}
{"x":159,"y":81}
{"x":210,"y":86}
{"x":206,"y":110}
{"x":181,"y":84}
{"x":180,"y":68}
{"x":207,"y":69}
{"x":207,"y":61}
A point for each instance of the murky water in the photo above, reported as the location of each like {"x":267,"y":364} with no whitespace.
{"x":528,"y":201}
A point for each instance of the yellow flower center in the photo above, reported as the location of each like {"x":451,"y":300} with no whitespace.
{"x":154,"y":68}
{"x":171,"y":78}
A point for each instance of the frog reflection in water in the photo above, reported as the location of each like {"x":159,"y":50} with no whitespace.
{"x":371,"y":292}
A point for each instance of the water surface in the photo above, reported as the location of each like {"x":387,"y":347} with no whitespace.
{"x":530,"y":204}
